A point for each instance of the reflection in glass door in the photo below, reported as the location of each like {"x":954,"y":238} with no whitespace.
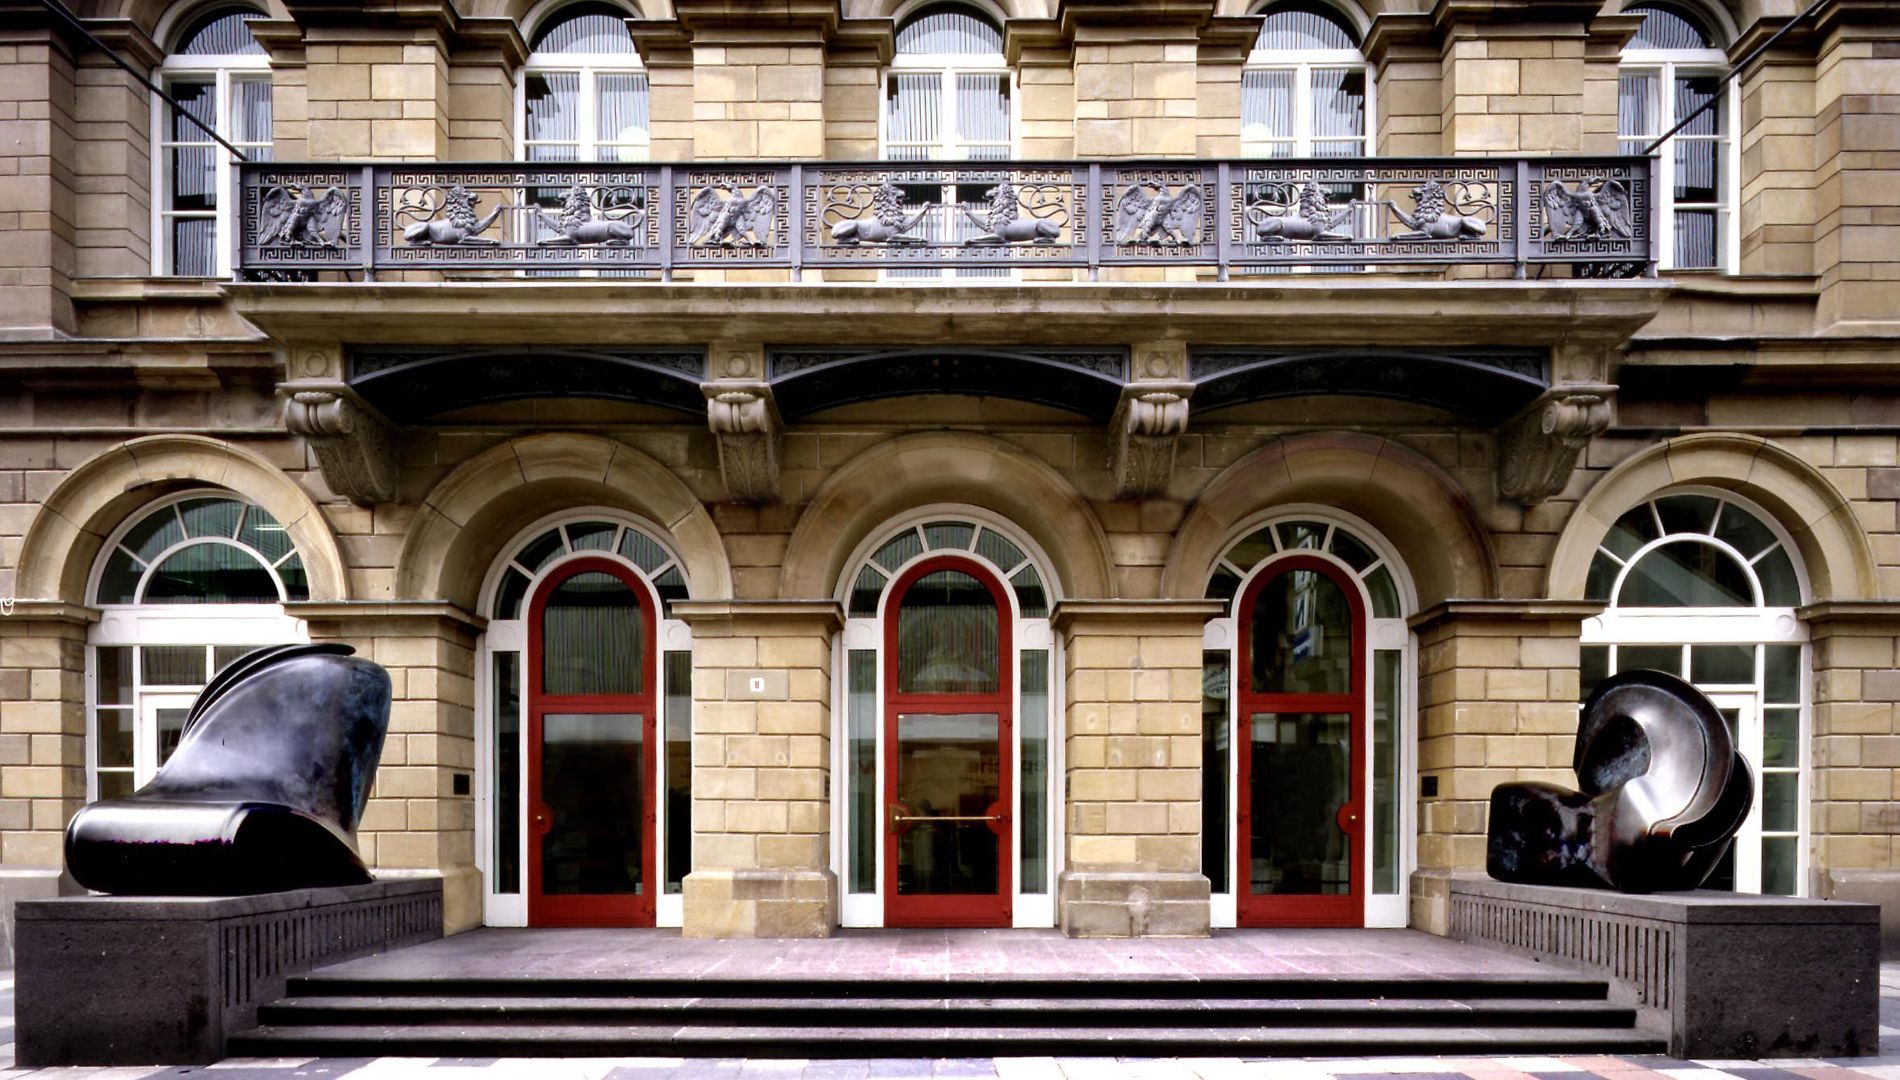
{"x":590,"y":738}
{"x":947,"y":729}
{"x":1301,"y":771}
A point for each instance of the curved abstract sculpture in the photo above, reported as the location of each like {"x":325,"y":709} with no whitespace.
{"x":263,"y":792}
{"x":1663,"y":792}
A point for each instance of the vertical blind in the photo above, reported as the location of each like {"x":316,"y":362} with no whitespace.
{"x":947,"y":636}
{"x":593,"y":640}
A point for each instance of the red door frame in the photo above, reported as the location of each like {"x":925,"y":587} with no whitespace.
{"x":1347,"y":909}
{"x":597,"y":910}
{"x":968,"y":910}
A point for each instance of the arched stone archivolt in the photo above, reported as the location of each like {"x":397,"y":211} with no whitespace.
{"x":463,"y":523}
{"x":1819,"y":519}
{"x":930,"y":468}
{"x":63,"y":542}
{"x":1398,"y":491}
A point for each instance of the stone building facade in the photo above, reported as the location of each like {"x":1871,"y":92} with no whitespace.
{"x":761,"y":598}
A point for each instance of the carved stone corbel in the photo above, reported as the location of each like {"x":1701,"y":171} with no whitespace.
{"x":747,"y":425}
{"x":355,"y":446}
{"x":1148,"y":421}
{"x":1537,"y":448}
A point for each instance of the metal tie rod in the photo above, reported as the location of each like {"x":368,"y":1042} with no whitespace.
{"x":1734,"y":73}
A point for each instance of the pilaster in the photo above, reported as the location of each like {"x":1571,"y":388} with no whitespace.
{"x":112,"y":200}
{"x":421,"y":813}
{"x":42,"y":728}
{"x":758,"y":77}
{"x":1512,"y":75}
{"x":377,"y":79}
{"x":38,"y":146}
{"x":1857,"y":163}
{"x":1136,"y":78}
{"x":1133,"y":755}
{"x":761,"y":768}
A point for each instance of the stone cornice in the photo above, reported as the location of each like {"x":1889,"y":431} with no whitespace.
{"x":1447,"y":14}
{"x":1135,"y":612}
{"x":386,"y":611}
{"x":827,"y":614}
{"x":128,"y":39}
{"x":15,"y":613}
{"x":500,"y":35}
{"x":1506,"y":611}
{"x":1156,"y":15}
{"x":342,"y":17}
{"x":1878,"y":615}
{"x":754,"y":22}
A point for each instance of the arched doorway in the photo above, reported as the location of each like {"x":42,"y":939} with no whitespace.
{"x":949,"y":725}
{"x":591,"y":732}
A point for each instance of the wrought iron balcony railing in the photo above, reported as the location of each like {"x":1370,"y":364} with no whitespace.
{"x":1591,"y":214}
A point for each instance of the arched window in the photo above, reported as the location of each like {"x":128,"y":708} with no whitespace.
{"x":1670,"y":68}
{"x":1305,"y":91}
{"x":584,"y":685}
{"x":188,"y":586}
{"x":945,"y":751}
{"x":219,"y":74}
{"x":1702,"y":585}
{"x":1315,"y":656}
{"x":584,"y":91}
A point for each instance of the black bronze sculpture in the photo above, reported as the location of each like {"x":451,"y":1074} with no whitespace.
{"x":1663,"y":792}
{"x":263,"y":792}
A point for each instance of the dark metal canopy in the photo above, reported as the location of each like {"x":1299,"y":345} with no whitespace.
{"x":1484,"y":385}
{"x":1086,"y":381}
{"x":412,"y":384}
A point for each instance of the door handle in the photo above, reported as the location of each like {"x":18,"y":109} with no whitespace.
{"x":895,"y":817}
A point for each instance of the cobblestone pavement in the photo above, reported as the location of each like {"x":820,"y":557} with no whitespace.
{"x":1886,"y":1066}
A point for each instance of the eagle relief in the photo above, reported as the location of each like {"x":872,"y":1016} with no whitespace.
{"x":1149,"y":214}
{"x":1596,"y":210}
{"x":722,"y":216}
{"x":303,"y":216}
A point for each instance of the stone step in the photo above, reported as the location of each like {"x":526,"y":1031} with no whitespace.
{"x":696,"y":1040}
{"x":975,"y":1011}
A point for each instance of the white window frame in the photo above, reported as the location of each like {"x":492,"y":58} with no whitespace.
{"x":223,"y":70}
{"x":1760,"y":625}
{"x":589,"y":67}
{"x":511,"y":635}
{"x":866,"y":633}
{"x":1382,"y":635}
{"x":1667,"y":65}
{"x":1303,"y":63}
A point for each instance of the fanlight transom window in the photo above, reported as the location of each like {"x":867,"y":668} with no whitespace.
{"x":1304,"y":90}
{"x":1372,"y":569}
{"x":203,"y":549}
{"x":949,"y":537}
{"x":1693,"y":551}
{"x":661,"y":566}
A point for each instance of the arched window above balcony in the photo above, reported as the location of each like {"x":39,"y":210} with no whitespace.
{"x":947,"y":94}
{"x":1305,"y":89}
{"x":218,"y":73}
{"x":584,"y":91}
{"x":1672,"y":67}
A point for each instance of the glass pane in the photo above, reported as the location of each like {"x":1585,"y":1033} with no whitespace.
{"x":621,"y":112}
{"x":115,"y":785}
{"x":1635,"y":528}
{"x":1339,"y":102}
{"x":1216,"y":680}
{"x":1385,"y":594}
{"x":1696,"y":240}
{"x":645,"y":552}
{"x":861,"y":677}
{"x":1781,"y":738}
{"x":1686,"y":513}
{"x":1781,"y":665}
{"x":1223,"y":584}
{"x":251,"y":111}
{"x":671,"y":586}
{"x":1304,"y":25}
{"x":951,"y":31}
{"x":1352,"y":551}
{"x":999,"y":550}
{"x":1593,"y":666}
{"x":1030,"y":598}
{"x":1602,"y":577}
{"x":588,"y":28}
{"x":1386,"y":704}
{"x":1743,"y":531}
{"x":1780,"y":801}
{"x":119,"y":581}
{"x":591,"y":536}
{"x":1649,"y":658}
{"x":1687,"y":573}
{"x":211,"y":573}
{"x":1251,"y":549}
{"x":679,"y":769}
{"x":1693,"y":92}
{"x":211,"y":517}
{"x":197,"y":98}
{"x":553,"y":99}
{"x":194,"y":180}
{"x":1778,"y":865}
{"x":591,"y":782}
{"x":507,"y":820}
{"x":224,"y":33}
{"x":153,"y":534}
{"x":983,"y":107}
{"x":949,"y":534}
{"x":115,"y":745}
{"x":947,"y":636}
{"x":1302,"y":534}
{"x":593,"y":638}
{"x":1666,"y":28}
{"x":508,"y":595}
{"x":224,"y":655}
{"x":113,"y":682}
{"x":1779,"y":586}
{"x":1637,"y":106}
{"x":172,"y":665}
{"x":1721,"y":664}
{"x":1301,"y":640}
{"x":265,"y":534}
{"x":865,"y":592}
{"x":1697,"y":170}
{"x":899,"y":550}
{"x":1266,"y":104}
{"x":171,"y":726}
{"x":1033,"y":729}
{"x":194,"y":247}
{"x":296,"y":583}
{"x":948,"y":766}
{"x":913,"y":110}
{"x":1301,"y":776}
{"x":537,"y":553}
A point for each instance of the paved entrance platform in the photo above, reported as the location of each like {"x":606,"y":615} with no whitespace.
{"x":496,"y":953}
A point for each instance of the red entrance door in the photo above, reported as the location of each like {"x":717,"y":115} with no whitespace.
{"x":947,"y":734}
{"x":1302,"y":756}
{"x":590,"y":748}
